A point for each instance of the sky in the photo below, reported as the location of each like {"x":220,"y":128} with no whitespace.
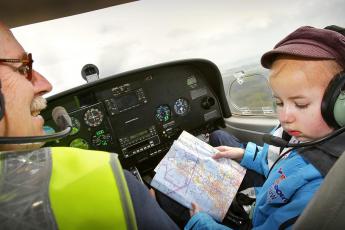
{"x":229,"y":33}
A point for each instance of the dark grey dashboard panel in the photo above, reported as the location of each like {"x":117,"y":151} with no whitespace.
{"x":140,"y":113}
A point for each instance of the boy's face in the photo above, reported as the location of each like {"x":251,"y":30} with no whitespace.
{"x":298,"y":87}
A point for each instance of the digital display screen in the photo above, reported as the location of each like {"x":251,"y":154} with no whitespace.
{"x":138,"y":145}
{"x":126,"y":101}
{"x":138,"y":135}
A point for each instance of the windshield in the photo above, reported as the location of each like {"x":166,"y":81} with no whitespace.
{"x":133,"y":35}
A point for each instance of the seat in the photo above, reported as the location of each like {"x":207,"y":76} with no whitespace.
{"x":327,"y":208}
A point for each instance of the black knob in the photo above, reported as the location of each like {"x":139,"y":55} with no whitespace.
{"x":207,"y":102}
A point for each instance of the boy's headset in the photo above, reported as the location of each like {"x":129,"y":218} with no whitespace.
{"x":333,"y":102}
{"x":60,"y":117}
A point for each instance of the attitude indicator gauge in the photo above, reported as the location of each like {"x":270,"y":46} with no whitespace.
{"x":93,"y":117}
{"x":163,"y":113}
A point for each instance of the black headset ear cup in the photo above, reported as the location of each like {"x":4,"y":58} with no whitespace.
{"x":2,"y":104}
{"x":330,"y":97}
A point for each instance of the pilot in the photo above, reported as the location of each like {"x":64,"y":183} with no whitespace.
{"x":59,"y":188}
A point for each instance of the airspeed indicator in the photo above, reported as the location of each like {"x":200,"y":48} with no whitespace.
{"x":181,"y":106}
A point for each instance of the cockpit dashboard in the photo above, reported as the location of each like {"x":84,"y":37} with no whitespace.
{"x":138,"y":114}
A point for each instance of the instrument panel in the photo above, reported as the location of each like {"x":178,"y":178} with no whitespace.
{"x":139,"y":114}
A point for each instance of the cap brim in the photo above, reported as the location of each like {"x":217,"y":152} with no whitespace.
{"x":299,"y":50}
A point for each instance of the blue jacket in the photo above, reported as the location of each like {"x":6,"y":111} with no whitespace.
{"x":288,"y":187}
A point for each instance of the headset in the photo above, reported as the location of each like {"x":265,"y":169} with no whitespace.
{"x":333,"y":102}
{"x":2,"y":104}
{"x":336,"y":28}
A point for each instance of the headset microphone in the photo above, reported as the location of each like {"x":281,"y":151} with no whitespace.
{"x":62,"y":120}
{"x":280,"y":142}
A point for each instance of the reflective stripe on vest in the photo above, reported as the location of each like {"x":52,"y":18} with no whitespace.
{"x":24,"y":190}
{"x":87,"y":190}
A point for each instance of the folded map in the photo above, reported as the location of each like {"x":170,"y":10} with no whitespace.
{"x":188,"y":173}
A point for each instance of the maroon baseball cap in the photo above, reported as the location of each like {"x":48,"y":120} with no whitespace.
{"x":309,"y":42}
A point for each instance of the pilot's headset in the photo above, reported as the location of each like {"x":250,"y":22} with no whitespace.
{"x":333,"y":102}
{"x":2,"y":104}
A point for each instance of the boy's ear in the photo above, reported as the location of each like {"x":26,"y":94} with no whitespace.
{"x":333,"y":102}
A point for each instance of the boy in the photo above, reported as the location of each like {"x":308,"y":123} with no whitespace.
{"x":302,"y":66}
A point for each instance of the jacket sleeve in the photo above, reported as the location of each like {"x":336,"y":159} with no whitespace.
{"x":255,"y":158}
{"x":202,"y":221}
{"x":285,"y":216}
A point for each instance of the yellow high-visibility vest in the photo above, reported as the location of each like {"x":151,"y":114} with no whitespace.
{"x":63,"y":188}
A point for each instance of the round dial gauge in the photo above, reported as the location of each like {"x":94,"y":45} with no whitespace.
{"x":163,"y":113}
{"x":93,"y":117}
{"x":79,"y":143}
{"x":75,"y":125}
{"x":181,"y":106}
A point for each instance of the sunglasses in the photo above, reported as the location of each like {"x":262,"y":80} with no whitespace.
{"x":25,"y":68}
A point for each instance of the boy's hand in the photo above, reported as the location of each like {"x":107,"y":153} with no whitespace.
{"x":229,"y":152}
{"x":195,"y":209}
{"x":152,"y":193}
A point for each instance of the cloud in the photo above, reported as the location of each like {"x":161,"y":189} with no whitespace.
{"x":148,"y":32}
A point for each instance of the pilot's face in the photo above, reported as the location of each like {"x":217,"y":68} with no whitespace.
{"x":298,"y":87}
{"x":23,"y":100}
